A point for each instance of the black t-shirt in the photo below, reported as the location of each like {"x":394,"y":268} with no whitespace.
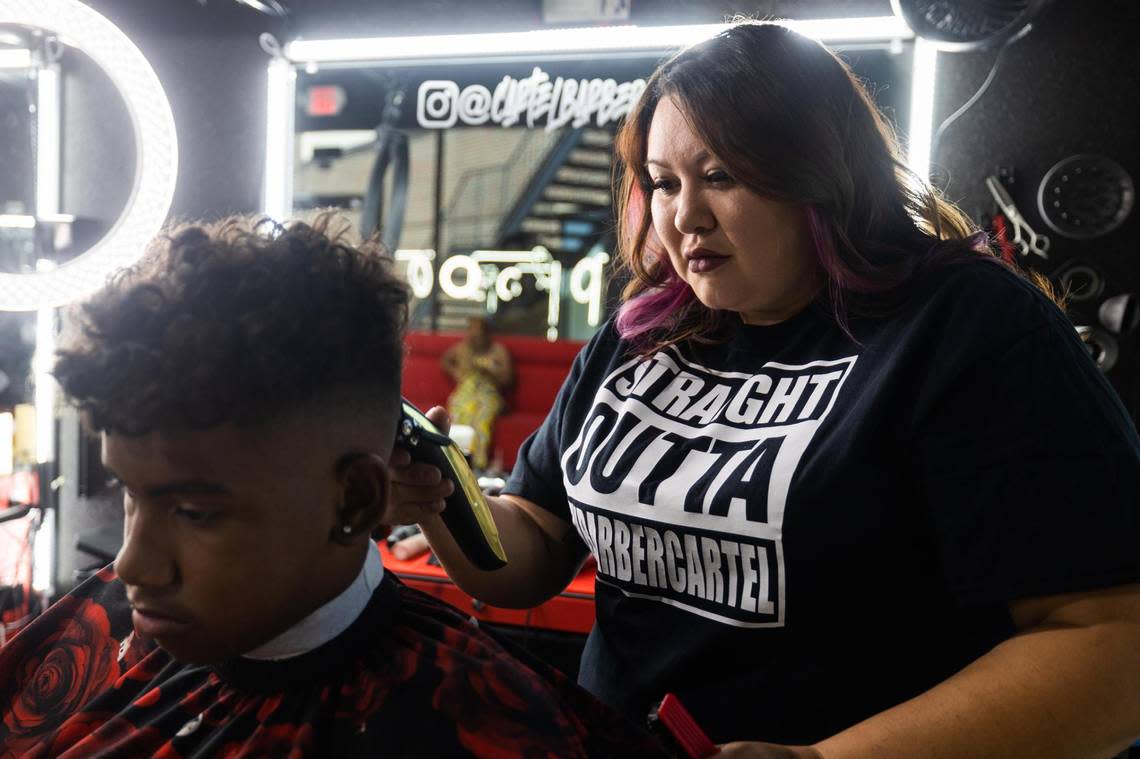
{"x":795,"y":530}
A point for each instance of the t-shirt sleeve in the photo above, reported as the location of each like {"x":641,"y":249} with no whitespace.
{"x":1030,"y":468}
{"x":537,"y":474}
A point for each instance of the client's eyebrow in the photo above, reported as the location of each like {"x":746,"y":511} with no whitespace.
{"x":187,"y":487}
{"x":178,"y":487}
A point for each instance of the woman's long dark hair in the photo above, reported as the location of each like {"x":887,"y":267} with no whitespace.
{"x":791,"y":122}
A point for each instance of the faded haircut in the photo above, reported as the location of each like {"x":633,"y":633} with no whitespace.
{"x":238,"y":321}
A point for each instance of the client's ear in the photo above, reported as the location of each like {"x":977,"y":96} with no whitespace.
{"x":363,"y":480}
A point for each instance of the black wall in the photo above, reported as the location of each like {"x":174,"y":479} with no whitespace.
{"x":1069,"y":87}
{"x":213,"y":70}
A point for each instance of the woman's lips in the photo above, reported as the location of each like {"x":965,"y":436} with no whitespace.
{"x":154,"y":626}
{"x":704,"y":264}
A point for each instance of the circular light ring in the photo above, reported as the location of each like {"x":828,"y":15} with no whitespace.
{"x":156,"y":161}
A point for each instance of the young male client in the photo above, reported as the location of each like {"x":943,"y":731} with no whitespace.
{"x":245,"y":381}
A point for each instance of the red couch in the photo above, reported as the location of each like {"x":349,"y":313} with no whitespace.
{"x":540,"y":368}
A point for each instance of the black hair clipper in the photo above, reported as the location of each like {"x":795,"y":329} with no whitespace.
{"x":467,"y":515}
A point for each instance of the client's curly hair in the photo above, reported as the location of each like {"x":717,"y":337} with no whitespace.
{"x":236,"y":321}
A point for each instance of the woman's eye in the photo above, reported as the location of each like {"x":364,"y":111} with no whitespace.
{"x":661,"y":185}
{"x":718,"y":177}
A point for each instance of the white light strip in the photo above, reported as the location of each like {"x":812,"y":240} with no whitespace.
{"x":277,"y":200}
{"x":43,"y":555}
{"x":855,"y":29}
{"x":17,"y":221}
{"x":921,"y":122}
{"x":55,"y":218}
{"x":42,"y":362}
{"x":49,"y":115}
{"x":156,"y":146}
{"x":577,"y":40}
{"x":26,"y":221}
{"x":48,"y":118}
{"x":15,"y":59}
{"x":7,"y":442}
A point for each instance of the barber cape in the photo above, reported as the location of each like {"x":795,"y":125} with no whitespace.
{"x":410,"y":677}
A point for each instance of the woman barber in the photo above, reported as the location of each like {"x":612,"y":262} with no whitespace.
{"x":854,"y":487}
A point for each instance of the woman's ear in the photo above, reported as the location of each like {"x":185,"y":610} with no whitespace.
{"x":363,"y":481}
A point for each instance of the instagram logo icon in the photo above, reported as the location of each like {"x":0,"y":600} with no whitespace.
{"x":436,"y":104}
{"x":440,"y":104}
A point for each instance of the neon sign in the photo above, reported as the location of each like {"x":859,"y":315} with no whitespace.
{"x":440,"y":104}
{"x":494,"y":276}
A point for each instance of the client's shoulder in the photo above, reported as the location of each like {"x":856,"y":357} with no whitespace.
{"x":491,"y":696}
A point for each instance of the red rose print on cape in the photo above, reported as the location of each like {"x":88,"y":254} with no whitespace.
{"x":500,"y":708}
{"x":372,"y":684}
{"x":70,"y":667}
{"x":109,"y":735}
{"x":76,"y":728}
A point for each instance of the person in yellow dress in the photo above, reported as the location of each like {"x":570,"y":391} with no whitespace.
{"x":482,"y":371}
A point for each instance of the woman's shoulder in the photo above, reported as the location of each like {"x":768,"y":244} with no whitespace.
{"x":985,"y":293}
{"x":606,"y":342}
{"x":602,"y":354}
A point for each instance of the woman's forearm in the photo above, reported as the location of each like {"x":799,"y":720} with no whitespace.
{"x":1048,"y":692}
{"x":538,"y":565}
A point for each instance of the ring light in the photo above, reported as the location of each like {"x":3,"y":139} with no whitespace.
{"x":156,"y":154}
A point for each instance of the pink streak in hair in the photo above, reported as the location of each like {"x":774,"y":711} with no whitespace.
{"x":653,"y":309}
{"x":842,"y":277}
{"x":838,"y":273}
{"x":979,"y":242}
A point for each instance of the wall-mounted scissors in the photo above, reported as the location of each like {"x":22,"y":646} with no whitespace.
{"x":1026,"y":240}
